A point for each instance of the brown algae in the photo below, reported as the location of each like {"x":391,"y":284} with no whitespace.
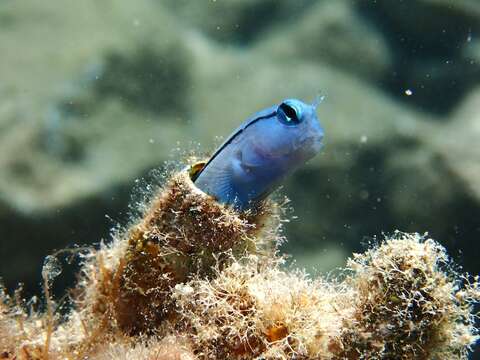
{"x":194,"y":279}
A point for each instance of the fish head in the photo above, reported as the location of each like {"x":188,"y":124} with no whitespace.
{"x":294,"y":132}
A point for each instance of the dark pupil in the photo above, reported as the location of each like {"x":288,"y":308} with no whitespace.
{"x":289,"y":112}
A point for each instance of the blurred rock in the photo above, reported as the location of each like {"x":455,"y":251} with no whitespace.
{"x":151,"y":78}
{"x":459,"y":144}
{"x":238,"y":21}
{"x":83,"y":114}
{"x":332,"y":32}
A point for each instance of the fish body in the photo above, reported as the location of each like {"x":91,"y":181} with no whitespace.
{"x":251,"y":163}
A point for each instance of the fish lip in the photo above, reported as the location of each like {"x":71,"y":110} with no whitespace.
{"x":311,"y":142}
{"x":310,"y":147}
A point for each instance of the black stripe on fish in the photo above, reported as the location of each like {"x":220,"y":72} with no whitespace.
{"x":230,"y":139}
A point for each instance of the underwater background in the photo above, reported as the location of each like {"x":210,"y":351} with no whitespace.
{"x":96,"y":94}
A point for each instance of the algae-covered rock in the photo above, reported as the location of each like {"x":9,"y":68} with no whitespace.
{"x":108,"y":97}
{"x":193,"y":277}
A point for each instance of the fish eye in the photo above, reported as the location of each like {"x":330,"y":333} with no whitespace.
{"x":287,"y":114}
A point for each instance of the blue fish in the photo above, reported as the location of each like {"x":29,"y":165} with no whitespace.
{"x":251,"y":163}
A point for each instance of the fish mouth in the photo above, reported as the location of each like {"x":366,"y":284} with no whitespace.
{"x":310,"y":144}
